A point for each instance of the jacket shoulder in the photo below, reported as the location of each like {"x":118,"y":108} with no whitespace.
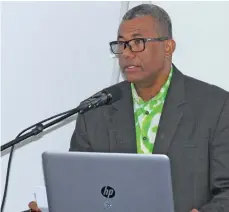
{"x":204,"y":89}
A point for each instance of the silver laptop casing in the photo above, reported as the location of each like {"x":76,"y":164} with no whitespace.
{"x":97,"y":182}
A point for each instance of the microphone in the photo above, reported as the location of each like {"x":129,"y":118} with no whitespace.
{"x":104,"y":97}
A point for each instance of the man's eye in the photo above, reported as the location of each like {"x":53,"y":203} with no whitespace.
{"x":120,"y":43}
{"x":137,"y":41}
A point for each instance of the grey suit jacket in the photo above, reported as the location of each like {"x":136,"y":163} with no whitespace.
{"x":193,"y":132}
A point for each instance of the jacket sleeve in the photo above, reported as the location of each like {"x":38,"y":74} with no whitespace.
{"x":80,"y":139}
{"x":219,"y":164}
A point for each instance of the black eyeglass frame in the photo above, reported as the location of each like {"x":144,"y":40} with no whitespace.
{"x":126,"y":43}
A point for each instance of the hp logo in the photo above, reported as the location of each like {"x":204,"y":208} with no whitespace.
{"x":108,"y":192}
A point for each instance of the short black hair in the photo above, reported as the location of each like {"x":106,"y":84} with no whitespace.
{"x":159,"y":14}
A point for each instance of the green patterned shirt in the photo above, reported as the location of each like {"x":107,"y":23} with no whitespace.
{"x":147,"y":117}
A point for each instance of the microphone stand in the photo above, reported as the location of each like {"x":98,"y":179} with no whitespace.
{"x":38,"y":129}
{"x":98,"y":99}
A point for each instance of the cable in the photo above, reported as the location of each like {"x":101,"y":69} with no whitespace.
{"x":7,"y":178}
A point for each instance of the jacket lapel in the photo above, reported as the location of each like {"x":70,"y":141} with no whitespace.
{"x":172,"y":113}
{"x":121,"y":122}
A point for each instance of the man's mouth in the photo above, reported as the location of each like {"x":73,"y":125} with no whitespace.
{"x":131,"y":68}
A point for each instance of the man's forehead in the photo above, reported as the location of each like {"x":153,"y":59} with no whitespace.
{"x":137,"y":26}
{"x":132,"y":34}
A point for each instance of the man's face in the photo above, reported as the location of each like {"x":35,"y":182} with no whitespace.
{"x":141,"y":66}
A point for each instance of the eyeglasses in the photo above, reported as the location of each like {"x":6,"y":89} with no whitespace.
{"x":135,"y":45}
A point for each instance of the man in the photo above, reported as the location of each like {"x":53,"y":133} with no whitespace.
{"x":162,"y":111}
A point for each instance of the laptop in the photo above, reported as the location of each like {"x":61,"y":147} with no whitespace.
{"x":107,"y":182}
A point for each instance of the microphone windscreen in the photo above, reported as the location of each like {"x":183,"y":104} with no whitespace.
{"x":115,"y":93}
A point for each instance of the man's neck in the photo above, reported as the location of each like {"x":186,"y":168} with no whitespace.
{"x":150,"y":89}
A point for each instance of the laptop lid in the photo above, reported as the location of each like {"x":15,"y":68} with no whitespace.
{"x":112,"y":182}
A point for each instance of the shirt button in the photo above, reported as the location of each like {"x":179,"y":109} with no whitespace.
{"x":147,"y":112}
{"x":144,"y":138}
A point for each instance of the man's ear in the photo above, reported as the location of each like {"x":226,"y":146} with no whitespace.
{"x":170,"y":47}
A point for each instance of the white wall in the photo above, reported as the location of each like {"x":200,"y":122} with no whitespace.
{"x":55,"y":54}
{"x":201,"y":30}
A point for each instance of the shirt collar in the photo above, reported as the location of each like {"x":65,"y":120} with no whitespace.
{"x":137,"y":99}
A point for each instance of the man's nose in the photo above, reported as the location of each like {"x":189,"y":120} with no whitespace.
{"x":127,"y":53}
